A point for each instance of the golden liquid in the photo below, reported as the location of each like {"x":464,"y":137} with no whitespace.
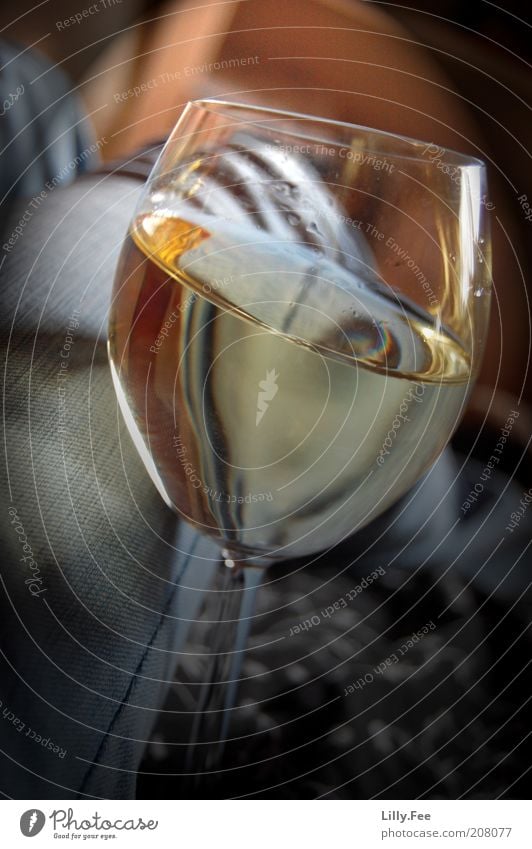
{"x":279,"y":401}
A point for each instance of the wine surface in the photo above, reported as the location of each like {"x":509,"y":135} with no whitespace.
{"x":279,"y":397}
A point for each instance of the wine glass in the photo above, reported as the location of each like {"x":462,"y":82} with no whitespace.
{"x":298,"y":314}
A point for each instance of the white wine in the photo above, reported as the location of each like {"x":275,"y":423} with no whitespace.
{"x":280,"y":398}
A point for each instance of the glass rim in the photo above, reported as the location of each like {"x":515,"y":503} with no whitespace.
{"x":460,"y":160}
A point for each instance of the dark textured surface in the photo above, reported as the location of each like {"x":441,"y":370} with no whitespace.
{"x":88,"y":662}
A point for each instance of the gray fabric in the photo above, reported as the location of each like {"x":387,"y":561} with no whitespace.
{"x":44,"y":135}
{"x":85,"y":660}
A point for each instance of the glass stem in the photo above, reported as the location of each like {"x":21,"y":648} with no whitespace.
{"x":229,"y":609}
